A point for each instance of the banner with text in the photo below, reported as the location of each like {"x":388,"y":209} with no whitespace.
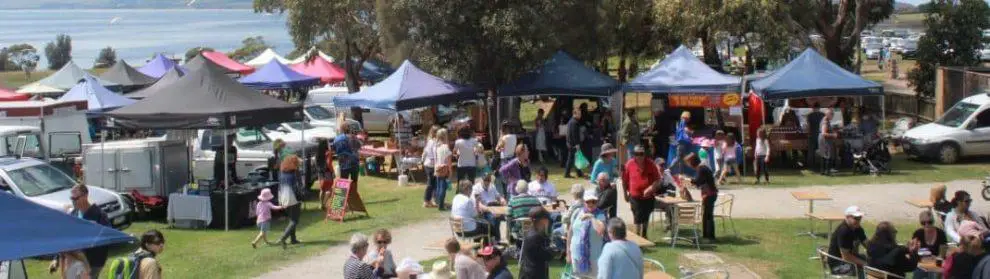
{"x":705,"y":100}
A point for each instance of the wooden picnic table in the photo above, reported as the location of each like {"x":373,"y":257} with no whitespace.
{"x":811,"y":197}
{"x":671,"y":200}
{"x":657,"y":275}
{"x":504,"y":210}
{"x":920,"y":203}
{"x":639,"y":240}
{"x":439,"y":245}
{"x":928,"y":265}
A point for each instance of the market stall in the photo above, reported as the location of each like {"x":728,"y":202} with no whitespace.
{"x":159,"y":66}
{"x":223,"y":61}
{"x":275,"y":75}
{"x":325,"y":70}
{"x":162,"y":84}
{"x":809,"y":80}
{"x":265,"y":57}
{"x":688,"y":83}
{"x":408,"y":88}
{"x":127,"y":77}
{"x":562,"y":75}
{"x":62,"y":80}
{"x":207,"y":99}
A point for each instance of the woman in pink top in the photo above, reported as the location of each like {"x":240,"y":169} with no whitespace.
{"x":264,"y":211}
{"x":729,"y":159}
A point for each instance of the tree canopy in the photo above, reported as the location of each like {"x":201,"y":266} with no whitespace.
{"x":953,"y":34}
{"x":192,"y":52}
{"x":59,"y":52}
{"x":106,"y":58}
{"x":250,"y":47}
{"x":839,"y":22}
{"x":24,"y":57}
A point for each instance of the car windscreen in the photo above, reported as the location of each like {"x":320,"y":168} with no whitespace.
{"x":40,"y":179}
{"x":300,"y":125}
{"x":251,"y":137}
{"x":319,"y":113}
{"x":957,"y":114}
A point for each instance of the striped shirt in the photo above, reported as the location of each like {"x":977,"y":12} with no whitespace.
{"x":354,"y":268}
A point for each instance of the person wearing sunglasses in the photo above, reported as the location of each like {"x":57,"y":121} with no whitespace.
{"x":387,"y":269}
{"x":961,"y":212}
{"x":845,"y":242}
{"x":152,"y":245}
{"x":931,"y":237}
{"x":83,"y":209}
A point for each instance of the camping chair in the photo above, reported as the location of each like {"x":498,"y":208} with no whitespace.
{"x":652,"y":265}
{"x":145,"y":204}
{"x":723,"y":210}
{"x":824,"y":257}
{"x":687,"y":214}
{"x":873,"y":273}
{"x":457,"y":228}
{"x":712,"y":273}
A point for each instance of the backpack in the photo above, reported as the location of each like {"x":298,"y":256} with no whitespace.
{"x":127,"y":267}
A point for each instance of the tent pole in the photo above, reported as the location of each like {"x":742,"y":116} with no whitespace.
{"x":226,"y":184}
{"x":883,"y":112}
{"x":302,"y":136}
{"x":103,"y":168}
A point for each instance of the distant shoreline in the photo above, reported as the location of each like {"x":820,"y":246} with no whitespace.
{"x":128,"y":8}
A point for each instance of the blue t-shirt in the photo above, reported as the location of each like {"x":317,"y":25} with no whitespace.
{"x":347,"y":158}
{"x":620,"y":259}
{"x":681,"y":134}
{"x":602,"y":166}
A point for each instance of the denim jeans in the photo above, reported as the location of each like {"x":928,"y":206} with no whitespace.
{"x":431,"y":184}
{"x":761,"y":167}
{"x":441,"y":192}
{"x":496,"y":222}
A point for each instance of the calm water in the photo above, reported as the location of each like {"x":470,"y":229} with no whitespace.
{"x":138,"y":34}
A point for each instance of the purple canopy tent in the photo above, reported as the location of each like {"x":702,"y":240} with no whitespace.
{"x":158,"y":66}
{"x":407,"y":88}
{"x":275,"y":75}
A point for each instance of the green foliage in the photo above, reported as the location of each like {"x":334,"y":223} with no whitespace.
{"x":488,"y":43}
{"x":347,"y":29}
{"x":106,"y":58}
{"x":59,"y":52}
{"x":839,"y":22}
{"x":24,"y":57}
{"x":952,"y":37}
{"x":192,"y":52}
{"x":5,"y":64}
{"x":250,"y":47}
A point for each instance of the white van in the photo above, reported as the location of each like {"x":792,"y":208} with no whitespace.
{"x":47,"y":130}
{"x":964,"y":130}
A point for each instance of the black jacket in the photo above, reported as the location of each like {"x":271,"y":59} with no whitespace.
{"x":535,"y":262}
{"x":607,"y":200}
{"x":97,"y":256}
{"x":573,"y":133}
{"x":894,"y":259}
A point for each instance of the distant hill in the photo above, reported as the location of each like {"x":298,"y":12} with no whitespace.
{"x":125,"y":4}
{"x":904,"y":8}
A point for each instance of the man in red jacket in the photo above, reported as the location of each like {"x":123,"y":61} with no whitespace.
{"x":640,"y":176}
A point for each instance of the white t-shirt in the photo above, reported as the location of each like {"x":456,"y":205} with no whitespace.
{"x":486,"y":196}
{"x":543,"y":191}
{"x":762,"y":147}
{"x":509,"y":149}
{"x":466,"y":156}
{"x":429,"y":153}
{"x":462,"y":206}
{"x":442,"y":154}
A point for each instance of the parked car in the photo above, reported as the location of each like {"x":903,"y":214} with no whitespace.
{"x":44,"y":184}
{"x":964,"y":130}
{"x":985,"y":52}
{"x":909,"y":48}
{"x":292,"y":133}
{"x":872,"y":47}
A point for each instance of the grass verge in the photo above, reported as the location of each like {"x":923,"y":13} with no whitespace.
{"x":219,"y":254}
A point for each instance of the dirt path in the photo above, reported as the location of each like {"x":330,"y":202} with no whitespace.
{"x":879,"y":202}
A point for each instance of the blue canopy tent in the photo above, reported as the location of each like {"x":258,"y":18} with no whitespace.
{"x":409,"y":87}
{"x":561,"y":75}
{"x":158,"y":66}
{"x":32,"y":230}
{"x":275,"y":75}
{"x":682,"y":72}
{"x":98,"y":98}
{"x":812,"y":75}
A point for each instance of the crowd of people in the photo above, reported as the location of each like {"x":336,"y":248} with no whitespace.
{"x":960,"y":246}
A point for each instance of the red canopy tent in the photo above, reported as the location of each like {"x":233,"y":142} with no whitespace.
{"x":321,"y":68}
{"x":7,"y":95}
{"x":223,"y":61}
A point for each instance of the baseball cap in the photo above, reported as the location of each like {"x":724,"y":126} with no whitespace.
{"x":639,"y":149}
{"x":854,"y":211}
{"x":590,"y":194}
{"x":487,"y":251}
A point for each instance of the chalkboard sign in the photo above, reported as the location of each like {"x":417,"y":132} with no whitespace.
{"x":337,"y":207}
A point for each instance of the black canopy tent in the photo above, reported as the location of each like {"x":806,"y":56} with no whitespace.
{"x":162,"y":84}
{"x":130,"y":79}
{"x":207,"y":99}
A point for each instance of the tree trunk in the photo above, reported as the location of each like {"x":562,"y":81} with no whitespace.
{"x":833,"y":50}
{"x":633,"y":68}
{"x":351,"y":78}
{"x":711,"y":52}
{"x":28,"y":74}
{"x":622,"y":68}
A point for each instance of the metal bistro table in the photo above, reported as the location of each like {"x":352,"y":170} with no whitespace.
{"x":672,"y":207}
{"x":811,"y":197}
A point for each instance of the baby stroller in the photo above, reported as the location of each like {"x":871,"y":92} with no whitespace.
{"x":874,"y":158}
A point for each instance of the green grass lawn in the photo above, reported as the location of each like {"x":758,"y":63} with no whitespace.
{"x":769,"y":248}
{"x":17,"y":79}
{"x":219,"y":254}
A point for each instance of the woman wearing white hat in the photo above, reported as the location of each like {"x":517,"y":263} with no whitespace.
{"x":587,"y":236}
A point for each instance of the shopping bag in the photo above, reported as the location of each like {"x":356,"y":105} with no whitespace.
{"x":580,"y":161}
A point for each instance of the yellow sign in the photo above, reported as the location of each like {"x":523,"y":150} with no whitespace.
{"x":731,"y":99}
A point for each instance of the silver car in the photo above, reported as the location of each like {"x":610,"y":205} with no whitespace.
{"x":44,"y":184}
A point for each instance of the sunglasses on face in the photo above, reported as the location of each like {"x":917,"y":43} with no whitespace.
{"x":926,"y":223}
{"x":383,"y":242}
{"x":858,"y":218}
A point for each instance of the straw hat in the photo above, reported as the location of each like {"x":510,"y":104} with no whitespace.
{"x":607,"y":149}
{"x":440,"y":270}
{"x":266,"y":195}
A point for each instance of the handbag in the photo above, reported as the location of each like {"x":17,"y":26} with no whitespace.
{"x":440,"y":171}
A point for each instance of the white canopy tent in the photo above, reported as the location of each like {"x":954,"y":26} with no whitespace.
{"x":302,"y":58}
{"x":265,"y":57}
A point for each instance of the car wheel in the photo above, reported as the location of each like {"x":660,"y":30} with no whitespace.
{"x":948,"y":153}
